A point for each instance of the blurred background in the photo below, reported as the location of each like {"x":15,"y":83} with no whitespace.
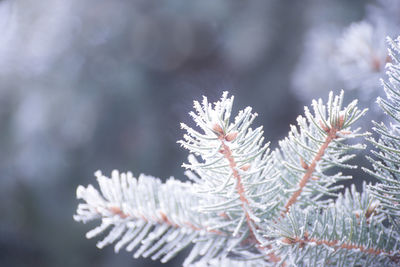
{"x":88,"y":85}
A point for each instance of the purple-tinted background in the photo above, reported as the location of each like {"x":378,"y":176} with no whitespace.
{"x":87,"y":85}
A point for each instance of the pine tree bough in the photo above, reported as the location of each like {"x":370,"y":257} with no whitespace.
{"x":335,"y":244}
{"x":247,"y":205}
{"x":226,"y":151}
{"x":311,"y":168}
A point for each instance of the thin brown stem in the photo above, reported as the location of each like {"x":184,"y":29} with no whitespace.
{"x":164,"y":220}
{"x":226,"y":151}
{"x":335,"y":244}
{"x":311,"y":168}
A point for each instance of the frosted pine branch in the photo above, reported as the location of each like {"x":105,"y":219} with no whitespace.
{"x":386,"y":161}
{"x":246,"y":204}
{"x":233,"y":165}
{"x":347,"y":233}
{"x":157,"y":219}
{"x":317,"y":145}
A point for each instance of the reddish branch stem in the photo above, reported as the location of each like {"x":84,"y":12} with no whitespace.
{"x":164,"y":220}
{"x":239,"y":186}
{"x":226,"y":151}
{"x":335,"y":244}
{"x":311,"y":168}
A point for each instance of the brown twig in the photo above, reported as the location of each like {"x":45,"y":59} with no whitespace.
{"x":335,"y":244}
{"x":164,"y":220}
{"x":226,"y":151}
{"x":332,"y":134}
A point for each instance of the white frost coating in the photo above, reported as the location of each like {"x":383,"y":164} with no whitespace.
{"x":232,"y":158}
{"x":385,"y":163}
{"x":142,"y":212}
{"x":246,"y":203}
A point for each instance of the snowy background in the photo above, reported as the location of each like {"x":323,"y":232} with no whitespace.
{"x":88,"y":85}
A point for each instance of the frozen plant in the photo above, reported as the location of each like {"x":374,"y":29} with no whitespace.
{"x":385,"y":158}
{"x":247,"y":205}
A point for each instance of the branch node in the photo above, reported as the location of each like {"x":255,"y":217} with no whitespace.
{"x":218,"y":130}
{"x":245,"y":167}
{"x":231,"y":136}
{"x":324,"y":127}
{"x":303,"y":164}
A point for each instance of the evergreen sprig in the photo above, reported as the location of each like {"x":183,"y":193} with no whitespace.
{"x":234,"y":169}
{"x":247,"y":206}
{"x":386,"y":160}
{"x":316,"y":146}
{"x":348,"y":232}
{"x":155,"y":218}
